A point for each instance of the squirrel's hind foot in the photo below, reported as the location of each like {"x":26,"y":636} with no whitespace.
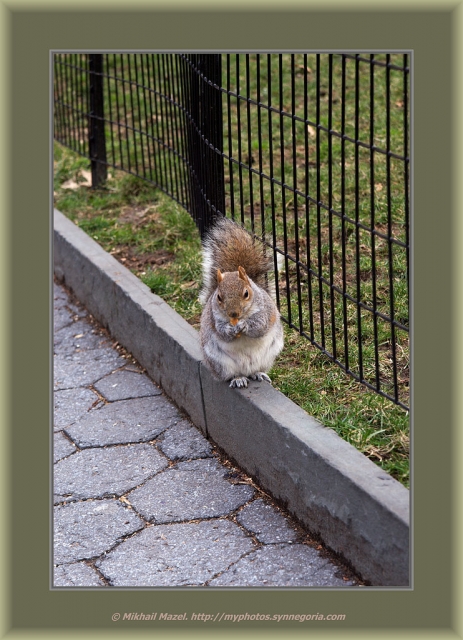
{"x":239,"y":382}
{"x":260,"y":375}
{"x":242,"y":382}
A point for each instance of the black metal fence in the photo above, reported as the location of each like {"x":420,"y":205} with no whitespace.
{"x":309,"y":151}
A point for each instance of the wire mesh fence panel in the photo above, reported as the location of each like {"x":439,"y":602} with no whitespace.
{"x":317,"y":161}
{"x":310,"y":152}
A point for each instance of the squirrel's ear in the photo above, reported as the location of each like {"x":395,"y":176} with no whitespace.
{"x":242,"y":274}
{"x":219,"y":276}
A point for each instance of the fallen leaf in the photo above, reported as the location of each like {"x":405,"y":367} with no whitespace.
{"x":72,"y":184}
{"x":87,"y":175}
{"x":188,"y":285}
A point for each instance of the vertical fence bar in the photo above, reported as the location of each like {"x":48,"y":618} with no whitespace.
{"x":319,"y":226}
{"x":259,"y":141}
{"x":389,"y":225}
{"x":75,"y":100}
{"x":97,"y":142}
{"x":240,"y":157}
{"x":216,"y":120}
{"x":307,"y":199}
{"x":330,"y":204}
{"x":132,"y":129}
{"x":343,"y":211}
{"x":68,"y":99}
{"x":373,"y":216}
{"x":146,"y":88}
{"x":58,"y":119}
{"x":171,"y":80}
{"x":159,"y":119}
{"x":184,"y":69}
{"x":283,"y":189}
{"x":295,"y":208}
{"x":249,"y":132}
{"x":166,"y":122}
{"x":192,"y":85}
{"x":272,"y":174}
{"x":128,"y":168}
{"x":357,"y":215}
{"x":118,"y":111}
{"x":230,"y":139}
{"x":406,"y":160}
{"x":110,"y":109}
{"x":137,"y":87}
{"x":181,"y":133}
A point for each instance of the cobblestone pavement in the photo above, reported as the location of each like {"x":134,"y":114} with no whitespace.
{"x":142,"y":499}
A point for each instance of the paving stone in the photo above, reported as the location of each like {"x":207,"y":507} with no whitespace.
{"x":62,"y":447}
{"x":268,"y":525}
{"x":188,"y":491}
{"x":138,"y":420}
{"x":62,"y":317}
{"x":175,"y":555}
{"x":72,"y":404}
{"x":85,"y":530}
{"x":331,"y":576}
{"x":62,"y":302}
{"x":85,"y":367}
{"x":183,"y":441}
{"x":78,"y":574}
{"x":122,"y":385}
{"x":77,"y":309}
{"x":94,"y":473}
{"x":281,"y":565}
{"x":60,"y":296}
{"x":78,"y":336}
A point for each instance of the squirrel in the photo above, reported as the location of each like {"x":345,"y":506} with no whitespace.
{"x":240,"y":329}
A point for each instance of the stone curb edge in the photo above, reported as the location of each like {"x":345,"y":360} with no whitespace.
{"x":358,"y":510}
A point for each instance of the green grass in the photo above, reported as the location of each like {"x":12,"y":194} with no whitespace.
{"x":155,"y":238}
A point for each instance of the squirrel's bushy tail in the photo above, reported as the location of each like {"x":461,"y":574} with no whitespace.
{"x":228,"y":246}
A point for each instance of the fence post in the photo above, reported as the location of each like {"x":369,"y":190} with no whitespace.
{"x":212,"y":116}
{"x":96,"y":133}
{"x":205,"y":107}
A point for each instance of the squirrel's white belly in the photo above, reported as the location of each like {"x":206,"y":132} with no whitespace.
{"x":246,"y":356}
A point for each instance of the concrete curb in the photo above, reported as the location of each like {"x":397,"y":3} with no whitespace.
{"x":357,"y":509}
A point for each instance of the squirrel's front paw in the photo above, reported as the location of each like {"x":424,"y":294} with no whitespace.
{"x":240,"y":327}
{"x":226,"y":331}
{"x":260,"y":375}
{"x":239,"y":382}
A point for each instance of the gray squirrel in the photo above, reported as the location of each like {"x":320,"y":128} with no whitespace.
{"x":240,"y":331}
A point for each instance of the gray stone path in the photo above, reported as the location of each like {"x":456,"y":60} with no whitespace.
{"x":142,"y":499}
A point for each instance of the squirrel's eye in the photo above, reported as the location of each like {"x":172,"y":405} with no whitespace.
{"x":246,"y":294}
{"x":219,"y":297}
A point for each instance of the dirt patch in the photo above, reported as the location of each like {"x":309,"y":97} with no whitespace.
{"x":139,"y":262}
{"x":138,"y":215}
